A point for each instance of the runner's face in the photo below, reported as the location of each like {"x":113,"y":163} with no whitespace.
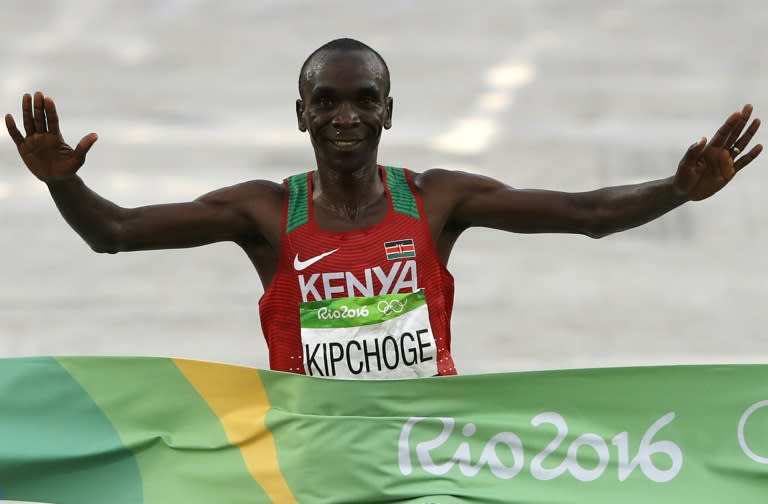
{"x":344,"y":107}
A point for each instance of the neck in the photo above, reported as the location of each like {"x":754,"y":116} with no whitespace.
{"x":348,"y":193}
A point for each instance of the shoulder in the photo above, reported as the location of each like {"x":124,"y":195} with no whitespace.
{"x":264,"y":191}
{"x":442,"y":181}
{"x":259,"y":202}
{"x":257,"y":206}
{"x":453,"y":197}
{"x":434,"y":179}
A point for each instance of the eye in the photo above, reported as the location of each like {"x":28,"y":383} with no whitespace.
{"x":368,"y":100}
{"x":324,"y":102}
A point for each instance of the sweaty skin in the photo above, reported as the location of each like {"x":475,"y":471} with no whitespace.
{"x":345,"y":106}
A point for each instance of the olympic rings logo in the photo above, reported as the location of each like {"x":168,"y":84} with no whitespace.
{"x":392,"y":306}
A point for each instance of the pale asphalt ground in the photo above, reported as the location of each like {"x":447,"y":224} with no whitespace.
{"x":188,"y":96}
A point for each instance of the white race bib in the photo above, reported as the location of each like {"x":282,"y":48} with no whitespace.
{"x":377,"y":337}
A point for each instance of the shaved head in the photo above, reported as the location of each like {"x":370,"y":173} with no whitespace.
{"x":315,"y":61}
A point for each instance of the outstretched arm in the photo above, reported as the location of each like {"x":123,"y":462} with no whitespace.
{"x":703,"y":170}
{"x":238,"y":213}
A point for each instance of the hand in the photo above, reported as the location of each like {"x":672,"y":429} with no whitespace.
{"x":708,"y":167}
{"x":44,"y":150}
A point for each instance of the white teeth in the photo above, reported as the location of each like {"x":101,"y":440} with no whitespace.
{"x":345,"y":143}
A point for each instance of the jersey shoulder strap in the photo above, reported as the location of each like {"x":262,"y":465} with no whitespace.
{"x":297,"y":209}
{"x":402,"y":194}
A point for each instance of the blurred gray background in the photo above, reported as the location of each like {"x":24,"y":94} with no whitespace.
{"x":191,"y":95}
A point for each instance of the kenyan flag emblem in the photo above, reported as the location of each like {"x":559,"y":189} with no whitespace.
{"x":399,"y":249}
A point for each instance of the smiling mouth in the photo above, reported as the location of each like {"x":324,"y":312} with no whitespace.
{"x":345,"y":142}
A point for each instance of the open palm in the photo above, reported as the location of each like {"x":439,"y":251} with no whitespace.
{"x":708,"y":166}
{"x":44,"y":150}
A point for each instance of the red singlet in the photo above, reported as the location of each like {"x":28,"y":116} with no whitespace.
{"x":378,"y":263}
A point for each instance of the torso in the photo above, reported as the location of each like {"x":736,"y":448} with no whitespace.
{"x":323,"y":258}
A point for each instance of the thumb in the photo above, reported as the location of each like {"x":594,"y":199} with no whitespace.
{"x":688,"y":172}
{"x":694,"y":151}
{"x":85,"y":145}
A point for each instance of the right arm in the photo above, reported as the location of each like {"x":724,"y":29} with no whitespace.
{"x":224,"y":215}
{"x":239,"y":213}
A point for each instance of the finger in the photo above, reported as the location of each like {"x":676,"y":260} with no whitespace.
{"x":722,"y":134}
{"x":694,"y":151}
{"x":739,"y":126}
{"x":16,"y":135}
{"x":742,"y":142}
{"x":50,"y":113}
{"x":26,"y":110}
{"x":85,"y":145}
{"x":39,"y":113}
{"x":748,"y":157}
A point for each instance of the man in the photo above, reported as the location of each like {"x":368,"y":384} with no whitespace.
{"x":353,"y":255}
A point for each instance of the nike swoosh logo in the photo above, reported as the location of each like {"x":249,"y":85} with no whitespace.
{"x":302,"y":265}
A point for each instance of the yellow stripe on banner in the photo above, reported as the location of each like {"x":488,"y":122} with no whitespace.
{"x":238,"y":398}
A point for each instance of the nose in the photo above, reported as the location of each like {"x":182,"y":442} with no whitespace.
{"x":346,"y":116}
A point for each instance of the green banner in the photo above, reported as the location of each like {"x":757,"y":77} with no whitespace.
{"x":158,"y":431}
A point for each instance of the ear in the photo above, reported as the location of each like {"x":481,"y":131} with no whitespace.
{"x":300,"y":115}
{"x":388,"y":118}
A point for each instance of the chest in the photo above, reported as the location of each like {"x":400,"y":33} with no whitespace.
{"x":341,"y":219}
{"x":381,"y":259}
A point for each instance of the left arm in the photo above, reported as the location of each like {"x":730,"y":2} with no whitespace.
{"x":704,"y":169}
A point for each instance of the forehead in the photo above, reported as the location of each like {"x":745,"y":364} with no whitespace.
{"x":344,"y":70}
